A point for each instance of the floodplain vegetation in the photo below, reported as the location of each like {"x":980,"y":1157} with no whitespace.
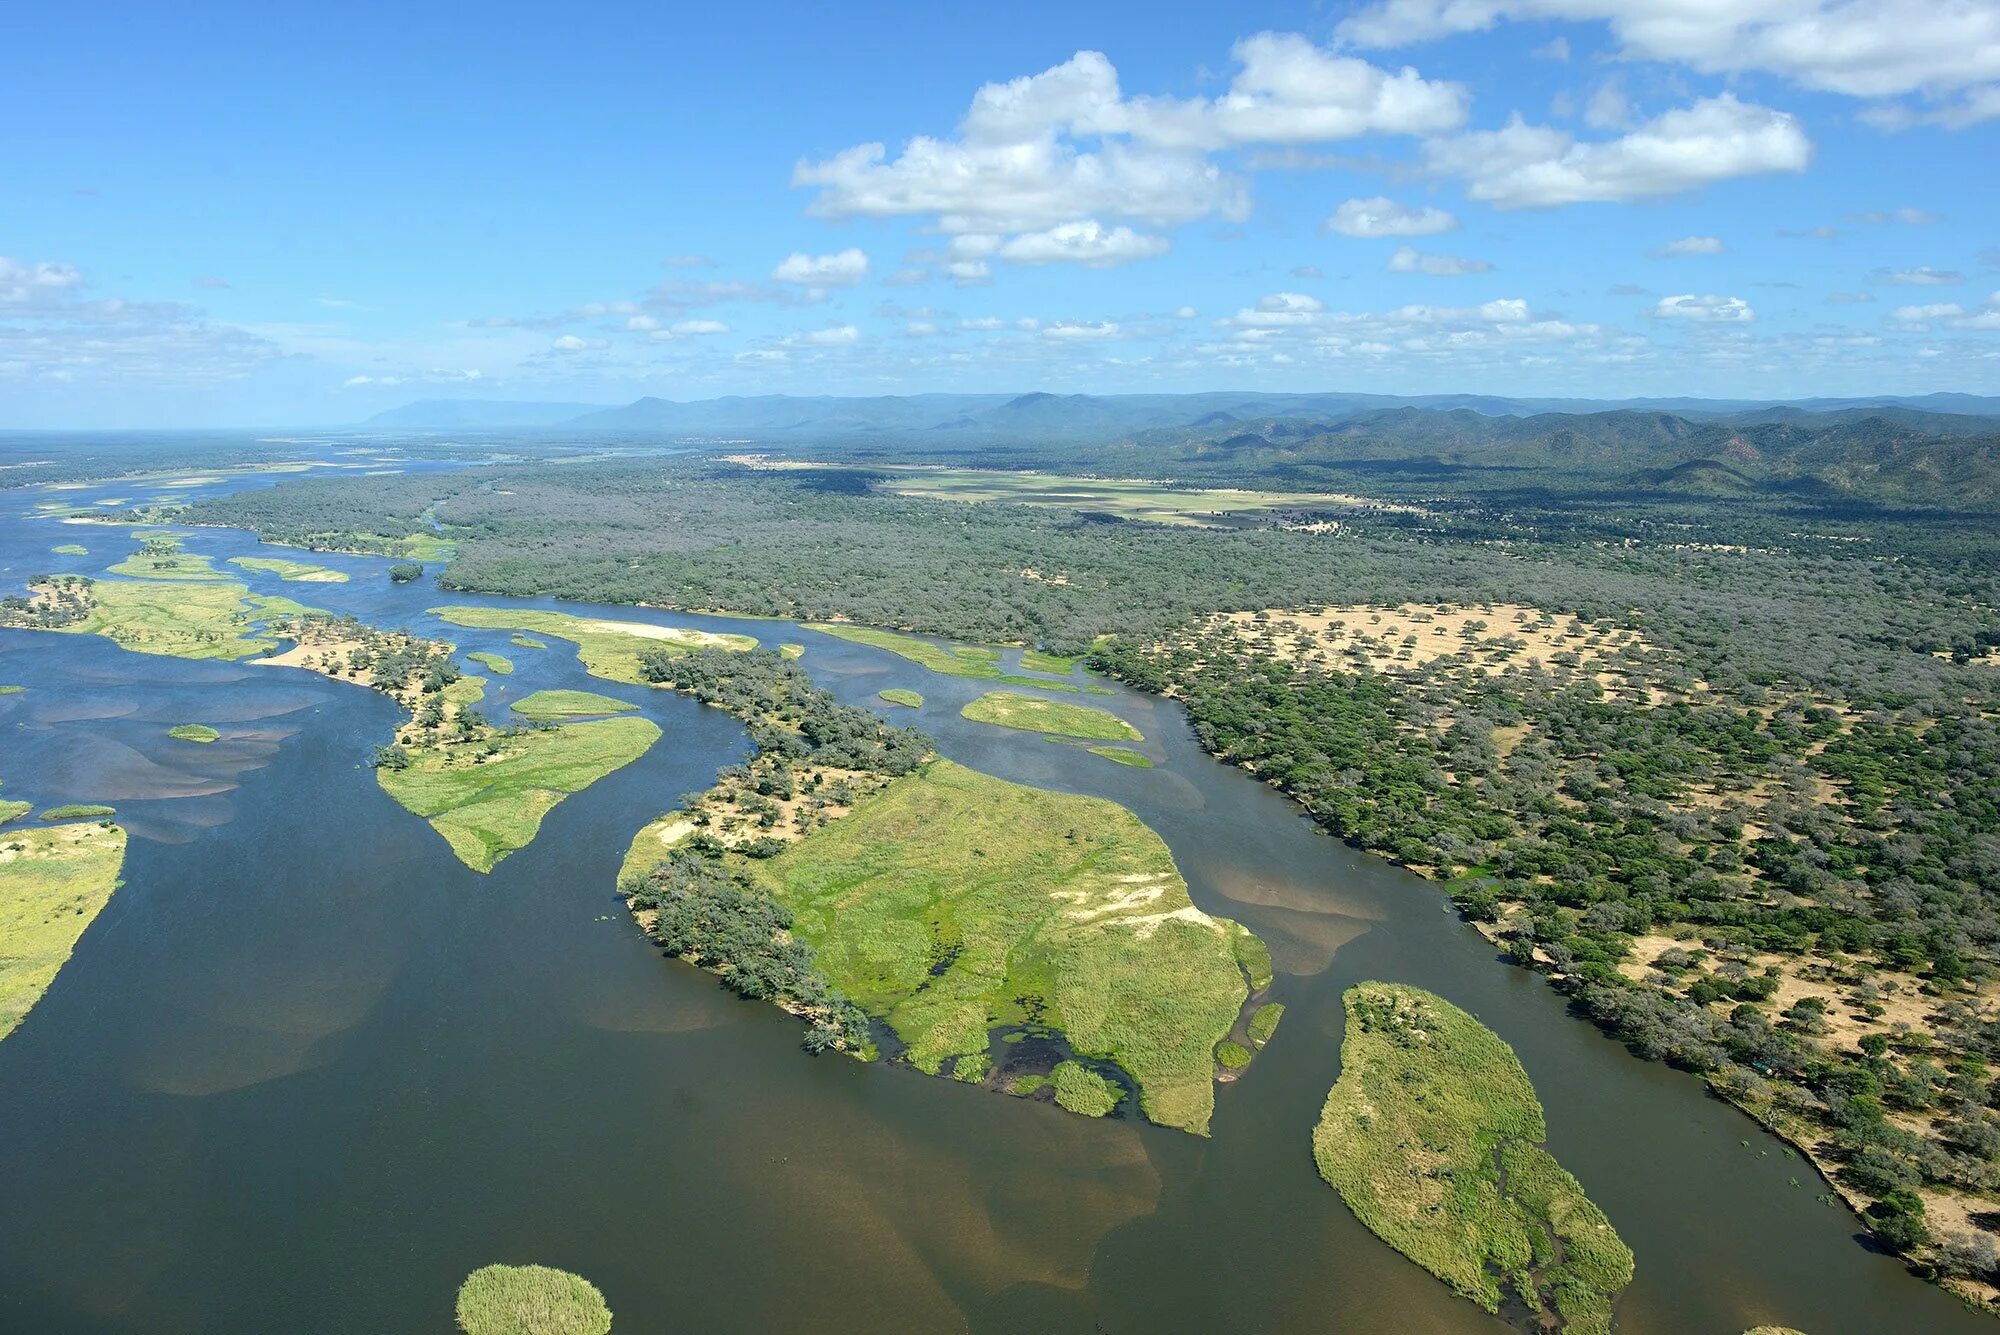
{"x":952,"y":660}
{"x":292,"y":572}
{"x":849,"y":875}
{"x":1433,"y":1136}
{"x":177,"y":618}
{"x":1010,"y":709}
{"x":193,"y":732}
{"x":549,"y":705}
{"x":530,"y":1300}
{"x":609,"y":649}
{"x":54,"y":880}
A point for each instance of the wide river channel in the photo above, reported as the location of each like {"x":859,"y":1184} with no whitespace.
{"x":306,"y":1070}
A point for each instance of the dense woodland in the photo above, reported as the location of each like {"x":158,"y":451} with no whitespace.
{"x":1774,"y":858}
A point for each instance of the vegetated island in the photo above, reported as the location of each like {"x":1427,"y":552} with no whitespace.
{"x":850,"y":875}
{"x":53,"y":881}
{"x":897,"y":695}
{"x":70,"y":549}
{"x":1006,"y":709}
{"x":1122,"y":755}
{"x":160,"y":557}
{"x":559,"y":704}
{"x":177,"y":618}
{"x":957,"y":660}
{"x":484,"y":789}
{"x":292,"y":572}
{"x":193,"y":732}
{"x":1434,"y":1138}
{"x":530,"y":1300}
{"x":79,"y":811}
{"x":609,"y":649}
{"x":499,"y":664}
{"x":11,"y":689}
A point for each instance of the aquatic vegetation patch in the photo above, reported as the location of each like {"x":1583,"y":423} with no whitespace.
{"x":293,"y":572}
{"x":1006,"y":709}
{"x":530,"y":1300}
{"x":1231,"y":1055}
{"x":897,"y":695}
{"x":70,"y":549}
{"x":958,"y":660}
{"x":193,"y":732}
{"x":559,"y":704}
{"x":12,"y":690}
{"x":499,"y":664}
{"x":1034,"y":660}
{"x":527,"y":642}
{"x":487,"y":797}
{"x":1083,"y":1091}
{"x":1433,"y":1136}
{"x":951,"y":903}
{"x":792,"y":651}
{"x":1122,"y":755}
{"x":79,"y":811}
{"x":609,"y":649}
{"x":53,"y":882}
{"x":1264,"y":1022}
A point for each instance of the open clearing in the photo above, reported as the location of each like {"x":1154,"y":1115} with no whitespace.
{"x":609,"y":649}
{"x":489,"y":803}
{"x":546,"y":705}
{"x":1005,"y":709}
{"x":295,"y":572}
{"x":53,"y":882}
{"x":1433,"y":1136}
{"x":951,"y":903}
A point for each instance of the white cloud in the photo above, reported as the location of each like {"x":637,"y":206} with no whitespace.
{"x":1691,"y":245}
{"x":1081,"y":330}
{"x":1408,"y":259}
{"x":698,"y":328}
{"x":1911,"y":216}
{"x":1921,"y":276}
{"x":642,"y":323}
{"x":1708,"y":309}
{"x":1068,"y":145}
{"x":50,"y":329}
{"x":1087,"y":243}
{"x":1524,"y":166}
{"x":835,"y":336}
{"x":1385,"y":217}
{"x":572,"y":343}
{"x":983,"y":322}
{"x":1937,"y":310}
{"x":969,"y":273}
{"x":1608,"y":108}
{"x":843,"y":269}
{"x":1938,"y":49}
{"x":1185,"y":313}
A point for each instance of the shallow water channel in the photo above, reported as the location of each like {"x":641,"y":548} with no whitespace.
{"x":307,"y":1070}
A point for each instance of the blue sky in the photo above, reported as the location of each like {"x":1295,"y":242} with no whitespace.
{"x":226,"y":214}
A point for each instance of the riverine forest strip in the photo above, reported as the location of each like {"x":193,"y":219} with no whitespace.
{"x":1433,"y":1136}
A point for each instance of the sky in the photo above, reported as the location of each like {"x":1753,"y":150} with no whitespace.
{"x":219,"y":214}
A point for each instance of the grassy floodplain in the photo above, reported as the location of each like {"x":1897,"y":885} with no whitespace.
{"x":897,"y":695}
{"x":1006,"y":709}
{"x":951,"y":903}
{"x":520,"y":641}
{"x":79,"y":811}
{"x":1434,"y":1138}
{"x":179,"y":619}
{"x":544,"y":706}
{"x":498,"y":664}
{"x":160,"y":557}
{"x":530,"y":1300}
{"x":53,"y":882}
{"x":292,"y":572}
{"x":488,"y":803}
{"x":958,"y":660}
{"x":609,"y":649}
{"x":193,"y":732}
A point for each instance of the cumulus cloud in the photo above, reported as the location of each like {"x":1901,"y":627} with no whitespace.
{"x":1408,"y":259}
{"x":576,"y":343}
{"x":1944,"y":51}
{"x":1081,"y":330}
{"x":1088,"y":243}
{"x":1524,"y":166}
{"x":834,"y":336}
{"x":1950,"y":313}
{"x":1690,"y":245}
{"x":1068,"y":146}
{"x":1380,"y":216}
{"x":843,"y":269}
{"x":1708,"y":309}
{"x":52,"y":328}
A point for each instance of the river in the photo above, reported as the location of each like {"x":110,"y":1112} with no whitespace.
{"x":306,"y":1070}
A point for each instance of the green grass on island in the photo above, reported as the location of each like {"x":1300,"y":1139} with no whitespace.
{"x":1034,"y":660}
{"x":12,"y":690}
{"x":79,"y":811}
{"x":1434,"y":1138}
{"x":951,"y":903}
{"x":12,"y":810}
{"x":53,"y":882}
{"x":488,"y":798}
{"x":1006,"y":709}
{"x":1264,"y":1022}
{"x":179,"y":619}
{"x":294,"y":572}
{"x":1231,"y":1055}
{"x":1121,"y":755}
{"x":193,"y":732}
{"x":530,"y":1300}
{"x":71,"y":549}
{"x":1081,"y":1090}
{"x":792,"y":651}
{"x":526,"y":642}
{"x":957,"y":660}
{"x":546,"y":705}
{"x":498,"y":664}
{"x":897,"y":695}
{"x":161,"y":558}
{"x":609,"y":649}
